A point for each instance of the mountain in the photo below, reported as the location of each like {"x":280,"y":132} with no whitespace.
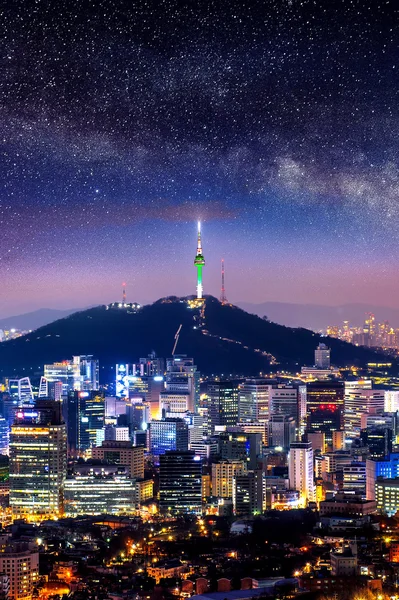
{"x":35,"y":319}
{"x":227,"y":341}
{"x":317,"y":317}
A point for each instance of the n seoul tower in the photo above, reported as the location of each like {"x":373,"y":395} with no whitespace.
{"x":199,"y":262}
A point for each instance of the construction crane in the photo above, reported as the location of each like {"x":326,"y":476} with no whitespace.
{"x":176,"y":339}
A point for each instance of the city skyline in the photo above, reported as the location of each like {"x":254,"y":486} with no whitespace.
{"x":272,"y":124}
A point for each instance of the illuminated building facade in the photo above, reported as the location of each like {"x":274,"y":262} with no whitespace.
{"x":387,"y":495}
{"x":249,"y":493}
{"x":168,"y":434}
{"x":182,"y":377}
{"x":358,"y":402}
{"x":85,"y":418}
{"x":21,"y":566}
{"x":222,"y":403}
{"x":122,"y":453}
{"x":38,"y":462}
{"x":180,"y":484}
{"x":327,"y":418}
{"x":89,"y":494}
{"x":300,"y":471}
{"x":253,"y":400}
{"x":322,"y":357}
{"x":223,"y":473}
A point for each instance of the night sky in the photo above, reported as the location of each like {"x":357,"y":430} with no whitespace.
{"x":123,"y":122}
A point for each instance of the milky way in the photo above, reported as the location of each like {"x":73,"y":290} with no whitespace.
{"x":276,"y":123}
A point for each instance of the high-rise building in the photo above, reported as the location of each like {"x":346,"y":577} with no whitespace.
{"x":249,"y":497}
{"x":38,"y":462}
{"x":281,"y":431}
{"x":182,"y":377}
{"x":168,"y":434}
{"x":84,"y":414}
{"x":239,"y":445}
{"x":387,"y":495}
{"x":223,"y":473}
{"x":94,"y":494}
{"x":223,"y":403}
{"x":378,"y":440}
{"x":322,"y":356}
{"x":324,"y":393}
{"x":21,"y":566}
{"x":283,"y":400}
{"x":327,"y":418}
{"x":360,"y":401}
{"x":391,"y":401}
{"x":122,"y":453}
{"x":180,"y":485}
{"x":253,"y":400}
{"x":81,"y":373}
{"x":300,"y":471}
{"x":4,"y":436}
{"x":355,"y":479}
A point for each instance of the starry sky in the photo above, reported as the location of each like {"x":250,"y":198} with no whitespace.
{"x":124,"y":121}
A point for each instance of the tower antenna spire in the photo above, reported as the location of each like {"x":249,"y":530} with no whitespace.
{"x":199,"y":262}
{"x":223,"y":298}
{"x":124,"y":292}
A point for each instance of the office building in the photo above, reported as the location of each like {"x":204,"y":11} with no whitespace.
{"x":327,"y":418}
{"x":281,"y":431}
{"x":360,"y":401}
{"x":249,"y":497}
{"x":322,"y":357}
{"x":81,"y":373}
{"x":391,"y":401}
{"x":387,"y":496}
{"x":152,"y":366}
{"x":38,"y":462}
{"x":174,"y":404}
{"x":378,"y":440}
{"x":318,"y":441}
{"x":253,"y":401}
{"x":283,"y":400}
{"x":238,"y":445}
{"x":84,"y":414}
{"x":223,"y":473}
{"x":168,"y":434}
{"x":222,"y":403}
{"x":121,"y":453}
{"x":21,"y":566}
{"x":300,"y":471}
{"x":94,"y":494}
{"x":324,"y":393}
{"x":355,"y":479}
{"x":182,"y":377}
{"x":180,"y":485}
{"x":4,"y":436}
{"x":115,"y":433}
{"x":344,"y":562}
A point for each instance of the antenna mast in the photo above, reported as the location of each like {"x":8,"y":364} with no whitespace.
{"x":123,"y":293}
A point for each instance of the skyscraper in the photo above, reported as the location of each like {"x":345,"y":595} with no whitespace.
{"x":84,"y":414}
{"x":253,"y":401}
{"x":180,"y":486}
{"x":168,"y":434}
{"x":359,"y":401}
{"x":322,"y":356}
{"x":38,"y":461}
{"x":199,"y":262}
{"x":222,"y":403}
{"x":300,"y":471}
{"x":182,"y":377}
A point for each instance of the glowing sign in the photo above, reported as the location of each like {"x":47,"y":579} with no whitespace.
{"x":27,"y":415}
{"x":84,"y":394}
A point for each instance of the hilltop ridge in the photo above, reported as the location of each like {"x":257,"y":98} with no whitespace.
{"x":226,"y":341}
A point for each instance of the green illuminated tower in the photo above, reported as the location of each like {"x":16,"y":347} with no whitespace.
{"x":199,"y":262}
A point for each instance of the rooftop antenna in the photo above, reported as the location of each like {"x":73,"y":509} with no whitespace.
{"x":223,"y":298}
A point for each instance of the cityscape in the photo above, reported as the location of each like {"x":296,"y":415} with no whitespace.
{"x":199,"y":330}
{"x":136,"y":485}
